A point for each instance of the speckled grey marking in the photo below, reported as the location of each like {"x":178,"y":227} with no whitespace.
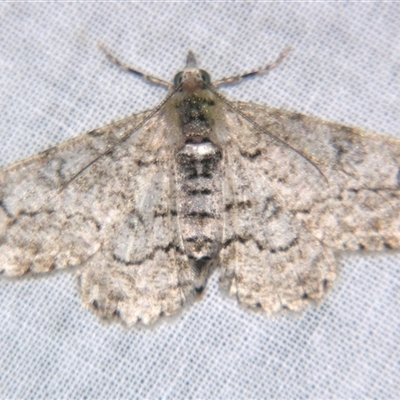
{"x":147,"y":207}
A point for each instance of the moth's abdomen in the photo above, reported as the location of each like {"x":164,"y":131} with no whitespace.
{"x":199,"y":204}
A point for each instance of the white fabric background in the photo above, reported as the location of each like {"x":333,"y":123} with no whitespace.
{"x":55,"y":83}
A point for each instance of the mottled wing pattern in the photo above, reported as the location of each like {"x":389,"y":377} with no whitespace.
{"x":115,"y":221}
{"x":286,"y":215}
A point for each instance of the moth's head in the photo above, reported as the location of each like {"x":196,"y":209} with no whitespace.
{"x":192,"y":78}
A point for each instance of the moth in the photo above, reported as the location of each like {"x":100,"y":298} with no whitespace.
{"x":144,"y":209}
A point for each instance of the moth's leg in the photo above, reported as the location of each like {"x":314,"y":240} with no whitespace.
{"x":124,"y":67}
{"x":269,"y":67}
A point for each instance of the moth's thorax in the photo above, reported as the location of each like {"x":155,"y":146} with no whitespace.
{"x":195,"y":113}
{"x":194,"y":104}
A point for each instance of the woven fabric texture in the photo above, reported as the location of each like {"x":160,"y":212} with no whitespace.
{"x":56,"y":83}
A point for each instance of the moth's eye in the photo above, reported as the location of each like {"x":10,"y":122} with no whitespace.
{"x":178,"y":79}
{"x":205,"y":76}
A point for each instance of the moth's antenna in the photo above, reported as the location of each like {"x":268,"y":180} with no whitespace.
{"x":127,"y":68}
{"x":260,"y":71}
